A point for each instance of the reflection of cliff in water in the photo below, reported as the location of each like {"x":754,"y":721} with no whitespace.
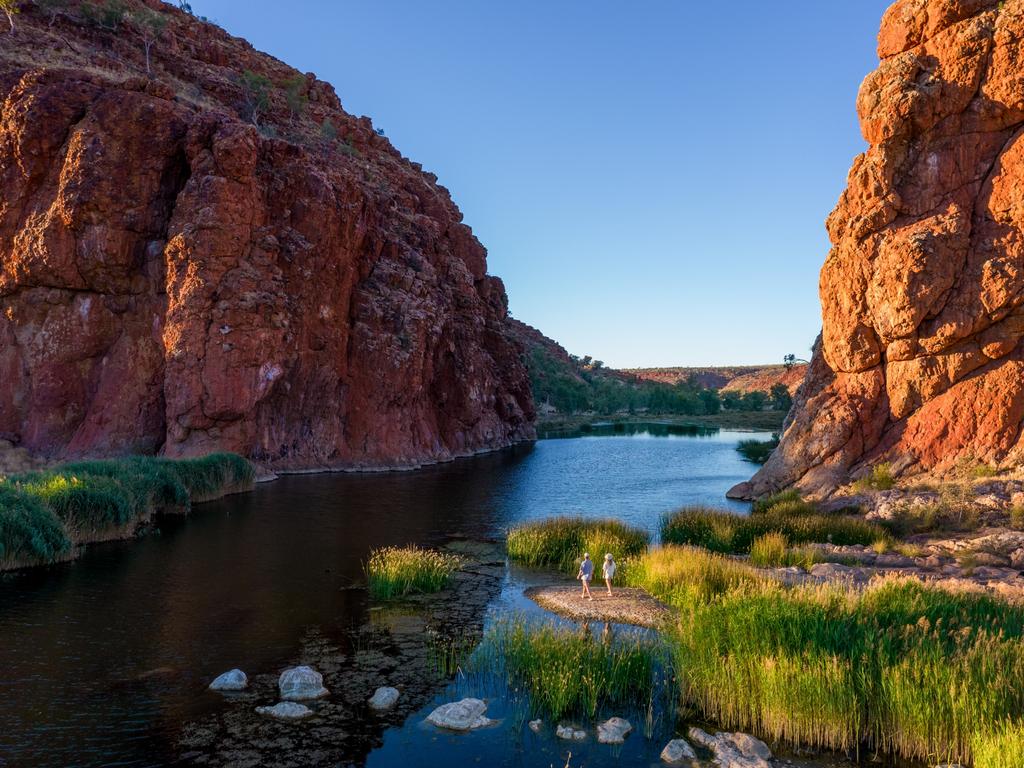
{"x":411,"y":646}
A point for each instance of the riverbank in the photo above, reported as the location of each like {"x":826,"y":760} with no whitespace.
{"x":48,"y":516}
{"x":754,"y":421}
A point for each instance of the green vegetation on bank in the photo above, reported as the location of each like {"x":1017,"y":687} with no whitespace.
{"x":757,"y":451}
{"x":725,"y":532}
{"x":43,"y":513}
{"x":569,"y":671}
{"x":902,"y":666}
{"x":560,"y":542}
{"x":400,"y":571}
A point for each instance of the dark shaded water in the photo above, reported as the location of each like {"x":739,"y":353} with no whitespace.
{"x":102,"y":661}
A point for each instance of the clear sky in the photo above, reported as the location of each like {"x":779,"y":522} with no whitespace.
{"x":650,"y":177}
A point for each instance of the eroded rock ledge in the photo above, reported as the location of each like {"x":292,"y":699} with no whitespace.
{"x":174,"y":279}
{"x":920,"y":361}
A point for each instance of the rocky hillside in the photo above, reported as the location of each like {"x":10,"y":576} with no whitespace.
{"x":216,"y":255}
{"x":921,"y":362}
{"x":740,"y":378}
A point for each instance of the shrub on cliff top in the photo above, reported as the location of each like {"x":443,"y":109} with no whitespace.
{"x":28,"y":530}
{"x":560,"y":542}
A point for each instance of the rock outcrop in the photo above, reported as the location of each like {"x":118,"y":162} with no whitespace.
{"x":220,"y":257}
{"x":921,"y":361}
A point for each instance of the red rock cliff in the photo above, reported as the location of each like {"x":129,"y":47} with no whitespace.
{"x":921,"y":361}
{"x":175,"y":279}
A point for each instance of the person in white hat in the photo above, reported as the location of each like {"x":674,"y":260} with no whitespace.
{"x":608,"y":571}
{"x":586,"y":574}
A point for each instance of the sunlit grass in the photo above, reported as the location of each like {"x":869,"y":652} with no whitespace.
{"x":720,"y":531}
{"x":772,"y":550}
{"x":399,"y":571}
{"x":1002,"y":747}
{"x":570,"y":671}
{"x":560,"y":542}
{"x":905,"y":667}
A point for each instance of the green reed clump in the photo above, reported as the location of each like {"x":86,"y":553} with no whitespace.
{"x":570,"y":671}
{"x":561,"y":541}
{"x":84,"y":498}
{"x":772,"y":550}
{"x":399,"y":571}
{"x":880,"y":478}
{"x":767,"y":502}
{"x":28,"y":530}
{"x":902,"y":666}
{"x":1002,"y":747}
{"x":757,"y":451}
{"x":725,"y":532}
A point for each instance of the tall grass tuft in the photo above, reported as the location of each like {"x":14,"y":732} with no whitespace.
{"x":560,"y":542}
{"x":902,"y":666}
{"x":1002,"y":747}
{"x":570,"y":671}
{"x":399,"y":571}
{"x":28,"y":530}
{"x":729,"y":533}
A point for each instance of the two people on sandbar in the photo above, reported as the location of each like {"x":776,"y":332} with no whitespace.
{"x":586,"y":573}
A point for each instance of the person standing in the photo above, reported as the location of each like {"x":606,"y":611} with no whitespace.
{"x":608,"y":571}
{"x":585,"y":575}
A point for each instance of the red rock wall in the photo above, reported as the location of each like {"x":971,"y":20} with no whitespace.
{"x":174,"y":281}
{"x":921,"y":361}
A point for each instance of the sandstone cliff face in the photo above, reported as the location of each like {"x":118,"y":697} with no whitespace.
{"x":174,"y":279}
{"x":921,"y":361}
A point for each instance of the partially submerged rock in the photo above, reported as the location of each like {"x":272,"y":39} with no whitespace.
{"x":301,"y":684}
{"x":614,"y":730}
{"x":384,"y":697}
{"x":464,"y":715}
{"x":570,"y":733}
{"x":536,"y":725}
{"x":286,"y":710}
{"x":233,"y":680}
{"x":734,"y":750}
{"x":678,"y":752}
{"x":626,"y":606}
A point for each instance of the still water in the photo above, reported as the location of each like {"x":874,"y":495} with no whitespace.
{"x":105,"y":661}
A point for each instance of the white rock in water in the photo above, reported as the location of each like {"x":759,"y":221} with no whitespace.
{"x":465,"y":715}
{"x":535,"y":725}
{"x":301,"y":683}
{"x":678,"y":752}
{"x":235,"y":680}
{"x":569,"y":733}
{"x":613,"y":731}
{"x":384,"y":698}
{"x":286,"y":710}
{"x":734,"y":750}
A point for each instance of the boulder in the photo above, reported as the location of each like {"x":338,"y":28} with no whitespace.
{"x":464,"y":715}
{"x":678,"y":752}
{"x":570,"y":733}
{"x":301,"y":684}
{"x":535,"y":725}
{"x":233,"y":680}
{"x":613,"y":731}
{"x":733,"y":750}
{"x":286,"y":710}
{"x":384,"y":698}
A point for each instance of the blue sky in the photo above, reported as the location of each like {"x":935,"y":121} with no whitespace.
{"x":651,"y":178}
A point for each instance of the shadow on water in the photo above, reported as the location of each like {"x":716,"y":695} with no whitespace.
{"x":107,"y":659}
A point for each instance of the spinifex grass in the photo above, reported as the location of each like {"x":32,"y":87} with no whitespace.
{"x":725,"y":532}
{"x":86,"y":500}
{"x":902,"y":666}
{"x":570,"y":671}
{"x":560,"y":542}
{"x":399,"y":571}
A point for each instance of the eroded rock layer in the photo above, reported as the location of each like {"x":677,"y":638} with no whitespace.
{"x":175,"y":278}
{"x":921,"y":359}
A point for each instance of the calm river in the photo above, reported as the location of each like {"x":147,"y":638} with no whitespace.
{"x":105,"y":661}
